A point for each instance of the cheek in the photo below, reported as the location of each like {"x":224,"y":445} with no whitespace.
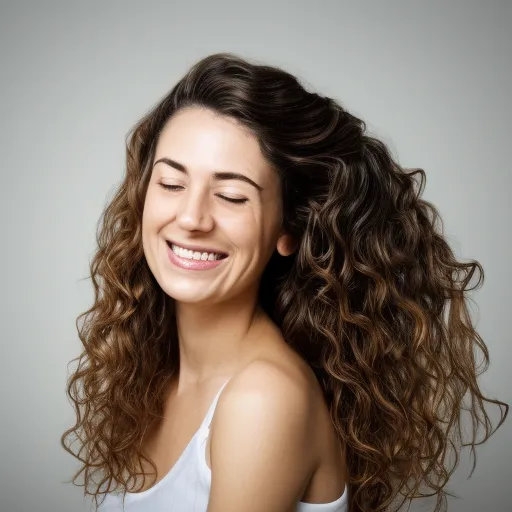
{"x":251,"y":231}
{"x":153,"y":219}
{"x":242,"y":230}
{"x":156,"y":211}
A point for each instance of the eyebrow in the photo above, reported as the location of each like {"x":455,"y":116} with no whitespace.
{"x":219,"y":176}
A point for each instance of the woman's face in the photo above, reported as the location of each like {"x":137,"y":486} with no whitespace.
{"x":222,"y":197}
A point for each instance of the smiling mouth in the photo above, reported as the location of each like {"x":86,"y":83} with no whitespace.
{"x":195,"y":255}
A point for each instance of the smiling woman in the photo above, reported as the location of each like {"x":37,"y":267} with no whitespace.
{"x":279,"y":325}
{"x":206,"y":212}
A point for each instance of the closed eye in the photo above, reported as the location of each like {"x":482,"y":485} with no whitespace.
{"x":232,"y":199}
{"x":170,"y":187}
{"x":229,"y":199}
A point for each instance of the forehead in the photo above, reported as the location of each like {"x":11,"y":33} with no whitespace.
{"x":202,"y":139}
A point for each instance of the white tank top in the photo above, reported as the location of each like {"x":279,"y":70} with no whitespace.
{"x":186,"y":487}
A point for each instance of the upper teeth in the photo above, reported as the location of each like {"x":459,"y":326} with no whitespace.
{"x":195,"y":255}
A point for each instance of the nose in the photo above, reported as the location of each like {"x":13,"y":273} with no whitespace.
{"x":193,"y":213}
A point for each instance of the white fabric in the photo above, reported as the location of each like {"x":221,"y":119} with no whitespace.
{"x":186,"y":487}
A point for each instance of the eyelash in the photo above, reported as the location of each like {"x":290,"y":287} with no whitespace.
{"x":230,"y":200}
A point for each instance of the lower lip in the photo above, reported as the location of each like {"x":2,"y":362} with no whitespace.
{"x":191,"y":264}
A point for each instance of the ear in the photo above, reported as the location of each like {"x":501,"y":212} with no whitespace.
{"x":286,"y":245}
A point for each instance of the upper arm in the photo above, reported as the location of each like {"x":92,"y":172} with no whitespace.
{"x":260,"y":448}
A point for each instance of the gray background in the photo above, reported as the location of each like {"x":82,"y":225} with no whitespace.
{"x":432,"y":79}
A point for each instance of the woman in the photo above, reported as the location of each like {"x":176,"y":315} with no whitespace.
{"x":278,"y":323}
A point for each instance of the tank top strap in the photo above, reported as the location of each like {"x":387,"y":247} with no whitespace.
{"x":211,"y":410}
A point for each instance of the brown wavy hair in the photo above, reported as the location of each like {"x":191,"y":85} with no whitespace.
{"x":373,"y":299}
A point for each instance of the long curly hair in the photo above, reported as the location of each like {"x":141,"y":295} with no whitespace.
{"x":373,"y":299}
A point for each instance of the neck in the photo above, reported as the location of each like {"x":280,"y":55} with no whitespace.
{"x":215,"y":340}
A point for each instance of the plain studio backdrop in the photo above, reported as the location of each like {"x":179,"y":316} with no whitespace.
{"x":432,"y":79}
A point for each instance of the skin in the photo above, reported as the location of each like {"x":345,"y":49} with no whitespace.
{"x":271,"y":441}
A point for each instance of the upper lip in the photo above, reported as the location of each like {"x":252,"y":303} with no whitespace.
{"x":196,"y":248}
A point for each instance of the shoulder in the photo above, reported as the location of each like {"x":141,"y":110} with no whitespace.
{"x":268,"y":384}
{"x":261,"y":438}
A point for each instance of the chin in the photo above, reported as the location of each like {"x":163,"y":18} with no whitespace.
{"x":189,"y":295}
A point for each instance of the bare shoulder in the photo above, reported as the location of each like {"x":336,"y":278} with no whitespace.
{"x":261,"y":439}
{"x":273,"y":382}
{"x":266,"y":386}
{"x":280,"y":379}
